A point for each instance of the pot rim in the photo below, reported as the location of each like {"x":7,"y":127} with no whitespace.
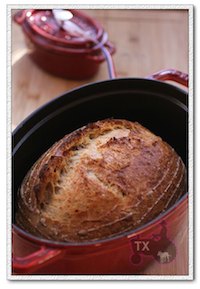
{"x":120,"y":237}
{"x":85,"y":86}
{"x":61,"y":49}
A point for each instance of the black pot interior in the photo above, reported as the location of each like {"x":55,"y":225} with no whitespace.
{"x":160,"y":107}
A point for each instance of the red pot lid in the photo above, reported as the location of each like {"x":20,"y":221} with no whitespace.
{"x":44,"y":26}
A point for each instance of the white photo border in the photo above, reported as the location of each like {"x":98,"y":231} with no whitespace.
{"x":190,"y":140}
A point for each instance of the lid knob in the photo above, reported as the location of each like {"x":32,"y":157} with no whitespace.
{"x":63,"y":18}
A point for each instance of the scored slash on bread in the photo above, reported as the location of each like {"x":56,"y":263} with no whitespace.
{"x":106,"y":178}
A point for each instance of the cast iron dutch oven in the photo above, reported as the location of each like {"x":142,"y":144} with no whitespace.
{"x":159,"y":106}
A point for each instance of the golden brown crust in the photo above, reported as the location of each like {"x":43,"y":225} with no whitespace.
{"x":101,"y":180}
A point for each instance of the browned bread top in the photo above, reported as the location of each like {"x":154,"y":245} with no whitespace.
{"x":99,"y":181}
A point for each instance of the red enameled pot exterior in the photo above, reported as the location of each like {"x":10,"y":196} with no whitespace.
{"x":70,"y":59}
{"x":122,"y":255}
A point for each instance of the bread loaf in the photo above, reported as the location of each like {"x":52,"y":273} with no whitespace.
{"x":106,"y":178}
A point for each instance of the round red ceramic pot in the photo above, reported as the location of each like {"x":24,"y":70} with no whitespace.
{"x":130,"y":253}
{"x":57,"y":51}
{"x":160,"y":107}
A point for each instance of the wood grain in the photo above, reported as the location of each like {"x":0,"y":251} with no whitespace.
{"x":146,"y":41}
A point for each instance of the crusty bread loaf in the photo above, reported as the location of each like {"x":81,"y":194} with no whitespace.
{"x":101,"y":180}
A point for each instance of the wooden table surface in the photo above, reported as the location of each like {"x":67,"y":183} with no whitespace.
{"x":146,"y":41}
